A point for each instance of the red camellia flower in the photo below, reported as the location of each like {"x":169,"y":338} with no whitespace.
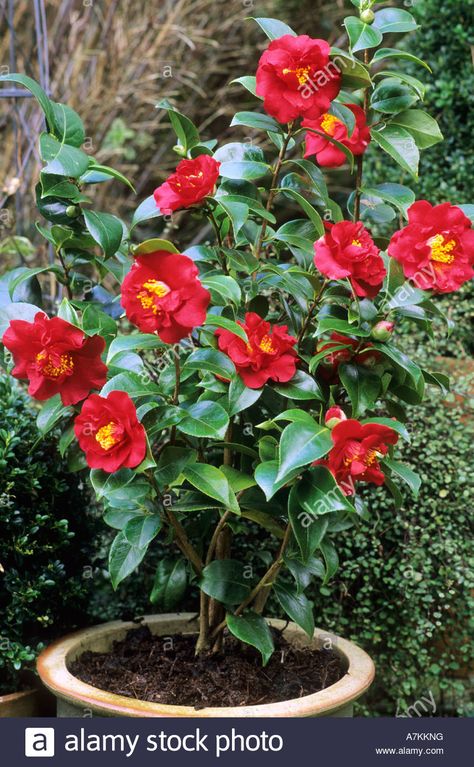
{"x":56,"y":358}
{"x":189,"y":184}
{"x":436,"y":248}
{"x":296,"y":78}
{"x":348,"y":250}
{"x":356,"y":452}
{"x":109,"y":432}
{"x":162,"y":294}
{"x":363,"y":354}
{"x":268,"y":355}
{"x":327,"y":154}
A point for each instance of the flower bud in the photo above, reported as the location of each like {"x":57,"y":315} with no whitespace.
{"x":367,"y":16}
{"x":382,"y":330}
{"x":73,"y":211}
{"x":334,"y":416}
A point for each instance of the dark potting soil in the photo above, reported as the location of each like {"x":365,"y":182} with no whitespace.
{"x":165,"y":670}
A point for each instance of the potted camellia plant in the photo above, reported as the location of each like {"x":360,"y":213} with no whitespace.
{"x":253,"y":381}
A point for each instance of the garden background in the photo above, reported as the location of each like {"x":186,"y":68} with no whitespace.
{"x":404,"y":588}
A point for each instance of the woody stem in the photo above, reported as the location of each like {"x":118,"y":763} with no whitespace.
{"x":264,"y":583}
{"x":273,"y":190}
{"x":360,"y":158}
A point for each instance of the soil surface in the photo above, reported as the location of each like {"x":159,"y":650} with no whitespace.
{"x":165,"y":670}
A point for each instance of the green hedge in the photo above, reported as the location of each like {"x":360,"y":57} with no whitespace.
{"x":405,"y":582}
{"x":46,"y":541}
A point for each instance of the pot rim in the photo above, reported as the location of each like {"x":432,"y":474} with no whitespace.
{"x":11,"y":697}
{"x":53,"y":671}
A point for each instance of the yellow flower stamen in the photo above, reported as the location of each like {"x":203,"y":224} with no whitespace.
{"x":356,"y":243}
{"x":66,"y":364}
{"x":442,"y":249}
{"x":106,"y":436}
{"x":152,"y":289}
{"x":266,"y":345}
{"x":328,"y":123}
{"x":302,"y":73}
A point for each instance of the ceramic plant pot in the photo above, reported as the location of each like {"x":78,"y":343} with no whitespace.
{"x":19,"y":704}
{"x":76,"y":699}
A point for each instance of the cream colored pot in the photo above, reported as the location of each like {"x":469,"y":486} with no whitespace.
{"x":17,"y":704}
{"x":77,"y":699}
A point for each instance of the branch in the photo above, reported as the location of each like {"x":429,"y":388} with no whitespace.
{"x":273,"y":189}
{"x":264,"y":582}
{"x":182,"y":539}
{"x":360,"y":158}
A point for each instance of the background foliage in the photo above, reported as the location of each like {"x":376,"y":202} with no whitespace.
{"x":45,"y":540}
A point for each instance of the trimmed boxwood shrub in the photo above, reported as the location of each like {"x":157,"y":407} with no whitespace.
{"x":45,"y":541}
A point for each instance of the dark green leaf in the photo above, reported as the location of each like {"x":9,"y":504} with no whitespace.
{"x":212,"y":482}
{"x":298,"y":608}
{"x":170,"y":583}
{"x":140,"y":531}
{"x":204,"y":419}
{"x":61,"y":159}
{"x":253,"y":630}
{"x":361,"y":36}
{"x":301,"y":444}
{"x":106,"y":230}
{"x":256,"y":120}
{"x":226,"y":581}
{"x":123,"y":559}
{"x":400,"y":145}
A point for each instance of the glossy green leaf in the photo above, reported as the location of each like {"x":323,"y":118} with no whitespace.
{"x":256,"y":120}
{"x":318,"y":493}
{"x":424,"y":128}
{"x":354,"y":73}
{"x":361,"y":36}
{"x":61,"y":159}
{"x":400,"y":145}
{"x":253,"y":630}
{"x":147,"y":210}
{"x":186,"y":131}
{"x":309,"y":530}
{"x":241,"y":397}
{"x":169,"y":586}
{"x":298,"y":608}
{"x":391,"y":97}
{"x":401,"y":470}
{"x":390,"y":20}
{"x":246,"y":169}
{"x":212,"y":482}
{"x":140,"y":531}
{"x":68,"y":126}
{"x":249,"y":82}
{"x":301,"y":387}
{"x":394,"y":53}
{"x":300,"y":445}
{"x":274,"y":28}
{"x":106,"y":230}
{"x":362,"y":386}
{"x":226,"y":581}
{"x":123,"y":559}
{"x":52,"y":411}
{"x":312,"y":214}
{"x":224,"y":288}
{"x":212,"y":360}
